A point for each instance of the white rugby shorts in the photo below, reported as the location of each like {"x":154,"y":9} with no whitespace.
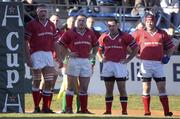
{"x":42,"y":59}
{"x":115,"y":69}
{"x":79,"y":67}
{"x":150,"y":69}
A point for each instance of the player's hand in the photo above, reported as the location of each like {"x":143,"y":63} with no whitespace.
{"x":124,"y":61}
{"x":101,"y":60}
{"x":60,"y":63}
{"x":165,"y":59}
{"x":91,"y":56}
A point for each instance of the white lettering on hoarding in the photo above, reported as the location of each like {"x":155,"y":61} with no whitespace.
{"x":9,"y":41}
{"x":10,"y":79}
{"x":11,"y":13}
{"x":11,"y":9}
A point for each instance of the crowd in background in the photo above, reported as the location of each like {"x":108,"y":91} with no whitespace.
{"x":167,"y":10}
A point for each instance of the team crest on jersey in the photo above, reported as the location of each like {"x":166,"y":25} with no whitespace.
{"x":51,"y":28}
{"x":89,"y":36}
{"x":160,"y":36}
{"x":119,"y":40}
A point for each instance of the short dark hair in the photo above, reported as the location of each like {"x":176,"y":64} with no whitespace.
{"x":115,"y":20}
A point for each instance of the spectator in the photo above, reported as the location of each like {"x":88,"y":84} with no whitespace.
{"x":94,"y":3}
{"x":90,"y":22}
{"x":141,"y":5}
{"x":69,"y":24}
{"x":40,"y":36}
{"x":156,"y":48}
{"x":171,"y":10}
{"x":29,"y":10}
{"x":80,"y":41}
{"x":175,"y":40}
{"x":115,"y":43}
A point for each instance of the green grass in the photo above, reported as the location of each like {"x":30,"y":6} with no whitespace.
{"x":98,"y":102}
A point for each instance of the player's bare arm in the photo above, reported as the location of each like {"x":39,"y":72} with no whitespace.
{"x":28,"y":56}
{"x":133,"y":53}
{"x":94,"y":52}
{"x":61,"y":52}
{"x":100,"y":54}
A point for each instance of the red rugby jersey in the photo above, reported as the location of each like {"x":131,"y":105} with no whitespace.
{"x":115,"y":49}
{"x":80,"y":43}
{"x":41,"y":37}
{"x":152,"y":47}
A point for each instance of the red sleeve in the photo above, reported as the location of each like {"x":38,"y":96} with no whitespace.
{"x":101,"y":42}
{"x":135,"y":34}
{"x":66,"y":38}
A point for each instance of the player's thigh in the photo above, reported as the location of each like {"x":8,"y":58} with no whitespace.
{"x":109,"y":85}
{"x":121,"y":87}
{"x":71,"y":82}
{"x":161,"y":85}
{"x":146,"y":87}
{"x":36,"y":77}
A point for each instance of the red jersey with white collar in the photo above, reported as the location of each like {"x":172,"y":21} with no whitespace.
{"x":41,"y":37}
{"x":115,"y":49}
{"x":81,"y":43}
{"x":152,"y":46}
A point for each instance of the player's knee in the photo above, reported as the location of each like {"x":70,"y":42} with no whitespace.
{"x":162,"y":89}
{"x":145,"y":93}
{"x":49,"y":77}
{"x":69,"y":92}
{"x":123,"y":92}
{"x":109,"y":93}
{"x":83,"y":93}
{"x":146,"y":89}
{"x":36,"y":80}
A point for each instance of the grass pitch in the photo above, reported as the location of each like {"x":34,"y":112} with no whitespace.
{"x":97,"y":104}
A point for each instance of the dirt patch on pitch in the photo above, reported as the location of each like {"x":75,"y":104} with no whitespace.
{"x":154,"y":113}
